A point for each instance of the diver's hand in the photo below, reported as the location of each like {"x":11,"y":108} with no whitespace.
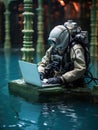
{"x":55,"y":80}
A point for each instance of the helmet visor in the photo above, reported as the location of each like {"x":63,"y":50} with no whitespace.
{"x":51,"y":42}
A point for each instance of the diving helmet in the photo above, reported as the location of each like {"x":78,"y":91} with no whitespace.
{"x":59,"y":37}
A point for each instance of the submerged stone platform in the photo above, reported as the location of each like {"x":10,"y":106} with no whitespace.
{"x":33,"y":93}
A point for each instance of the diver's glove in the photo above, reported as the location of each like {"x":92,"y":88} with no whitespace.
{"x":55,"y":80}
{"x":41,"y":75}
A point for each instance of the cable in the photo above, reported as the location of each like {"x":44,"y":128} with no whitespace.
{"x":91,"y":77}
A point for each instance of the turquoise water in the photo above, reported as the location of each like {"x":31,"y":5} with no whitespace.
{"x":18,"y":114}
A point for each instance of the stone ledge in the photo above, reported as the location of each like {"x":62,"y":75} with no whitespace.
{"x":32,"y":93}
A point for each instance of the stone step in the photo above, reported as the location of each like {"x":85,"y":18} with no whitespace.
{"x":33,"y":93}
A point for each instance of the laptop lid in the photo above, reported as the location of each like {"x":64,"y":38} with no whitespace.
{"x":30,"y":73}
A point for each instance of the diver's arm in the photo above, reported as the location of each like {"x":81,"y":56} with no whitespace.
{"x":45,"y":61}
{"x":77,"y":55}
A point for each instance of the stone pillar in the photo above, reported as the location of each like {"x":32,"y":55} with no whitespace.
{"x":94,"y":29}
{"x":28,"y":32}
{"x":7,"y":44}
{"x":40,"y":41}
{"x":1,"y":22}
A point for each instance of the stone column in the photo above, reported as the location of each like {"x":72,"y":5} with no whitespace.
{"x":40,"y":41}
{"x":1,"y":21}
{"x":7,"y":43}
{"x":28,"y":32}
{"x":94,"y":29}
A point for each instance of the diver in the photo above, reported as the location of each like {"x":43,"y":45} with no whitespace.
{"x":65,"y":61}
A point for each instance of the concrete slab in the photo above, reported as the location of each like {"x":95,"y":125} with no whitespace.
{"x":34,"y":94}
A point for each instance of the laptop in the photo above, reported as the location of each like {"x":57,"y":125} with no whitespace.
{"x":31,"y":75}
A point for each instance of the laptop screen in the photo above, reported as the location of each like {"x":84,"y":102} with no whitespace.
{"x":30,"y":73}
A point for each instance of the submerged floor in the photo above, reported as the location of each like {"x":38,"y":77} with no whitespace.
{"x":18,"y":114}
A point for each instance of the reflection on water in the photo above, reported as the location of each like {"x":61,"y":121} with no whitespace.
{"x":70,"y":116}
{"x":17,"y":114}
